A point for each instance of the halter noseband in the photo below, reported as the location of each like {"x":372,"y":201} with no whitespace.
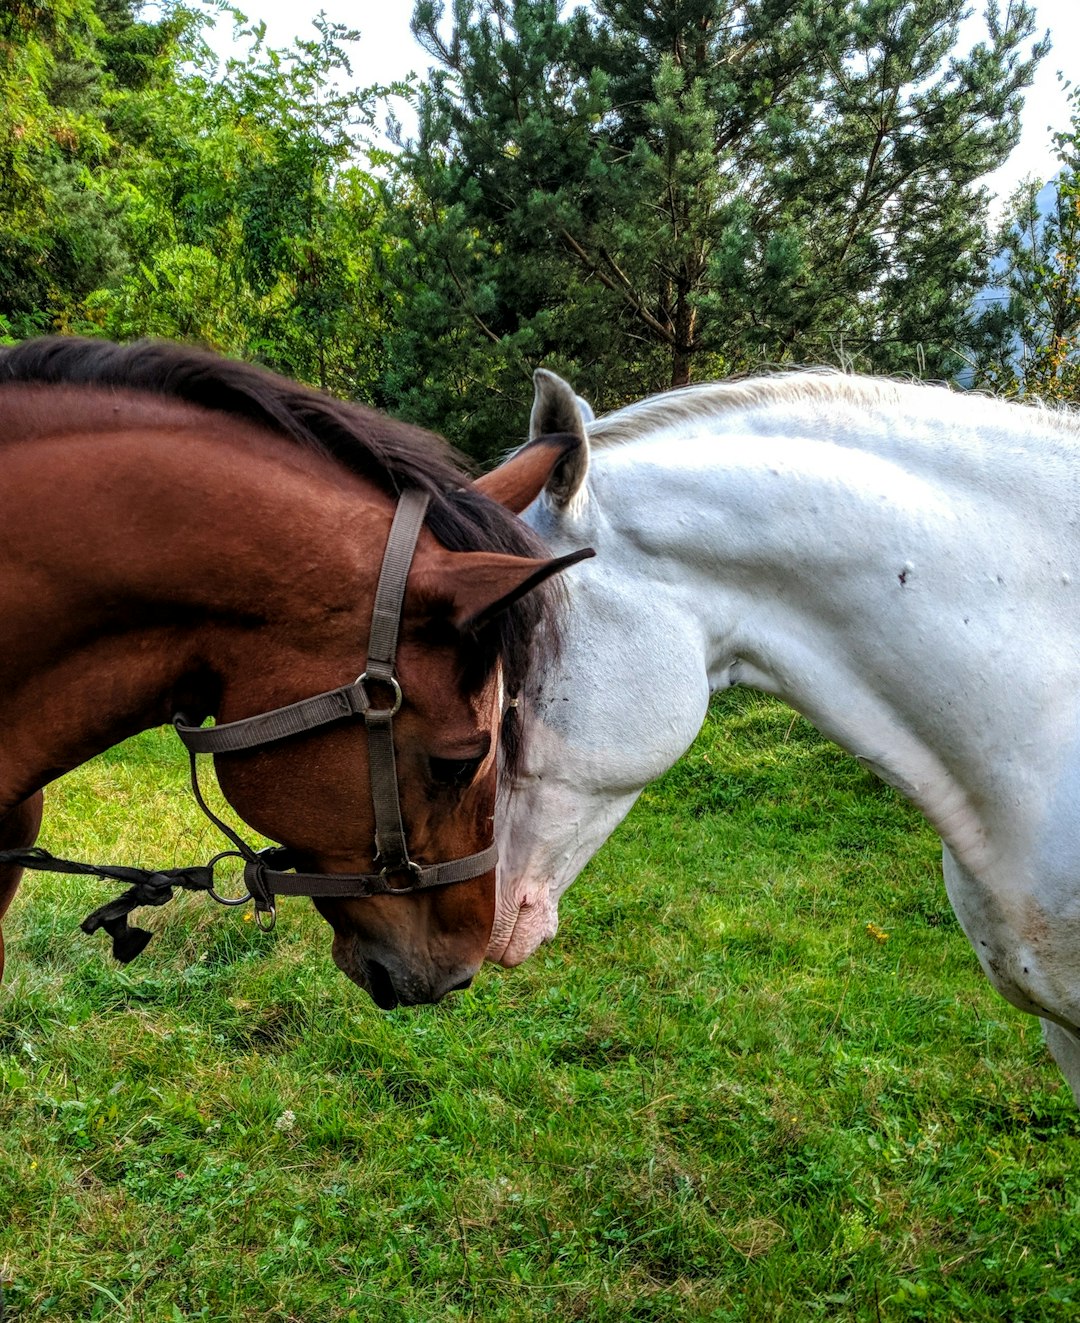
{"x":272,"y":871}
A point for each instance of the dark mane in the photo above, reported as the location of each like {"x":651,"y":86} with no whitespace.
{"x":391,"y":453}
{"x":360,"y":438}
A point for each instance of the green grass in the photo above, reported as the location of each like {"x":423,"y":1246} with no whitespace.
{"x":718,"y":1095}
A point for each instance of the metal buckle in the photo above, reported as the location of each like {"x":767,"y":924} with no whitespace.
{"x":269,"y":910}
{"x":386,"y":711}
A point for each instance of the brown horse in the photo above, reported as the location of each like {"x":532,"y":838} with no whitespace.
{"x":186,"y":534}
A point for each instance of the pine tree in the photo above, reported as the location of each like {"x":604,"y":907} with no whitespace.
{"x":650,"y":191}
{"x":1027,"y":339}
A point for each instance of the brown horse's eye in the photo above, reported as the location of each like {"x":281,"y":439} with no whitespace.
{"x":454,"y":771}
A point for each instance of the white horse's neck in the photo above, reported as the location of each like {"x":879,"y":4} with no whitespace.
{"x":870,"y":568}
{"x":867,"y":552}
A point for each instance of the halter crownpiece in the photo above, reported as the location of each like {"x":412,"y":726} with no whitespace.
{"x":272,"y":872}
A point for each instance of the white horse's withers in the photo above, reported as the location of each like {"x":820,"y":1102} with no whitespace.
{"x":899,"y":563}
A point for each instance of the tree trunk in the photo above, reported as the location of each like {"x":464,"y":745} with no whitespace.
{"x":682,"y":351}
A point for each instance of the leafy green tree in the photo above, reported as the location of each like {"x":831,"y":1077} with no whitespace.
{"x":1027,"y":339}
{"x":142,"y":192}
{"x":652,"y":190}
{"x":71,"y":74}
{"x":59,"y":231}
{"x":259,"y":228}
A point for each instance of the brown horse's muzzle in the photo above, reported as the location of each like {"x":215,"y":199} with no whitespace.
{"x":392,"y":982}
{"x":408,"y":950}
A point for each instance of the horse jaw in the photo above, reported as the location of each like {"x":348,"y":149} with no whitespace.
{"x":556,"y":826}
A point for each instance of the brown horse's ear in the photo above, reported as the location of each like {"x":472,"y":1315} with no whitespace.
{"x":556,"y":459}
{"x":475,"y":586}
{"x":520,"y":480}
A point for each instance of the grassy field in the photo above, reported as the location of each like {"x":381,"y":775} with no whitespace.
{"x":757,"y":1077}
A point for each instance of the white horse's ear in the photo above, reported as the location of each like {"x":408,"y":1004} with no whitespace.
{"x":557,"y":409}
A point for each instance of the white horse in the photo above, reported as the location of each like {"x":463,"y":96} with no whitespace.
{"x":899,"y":563}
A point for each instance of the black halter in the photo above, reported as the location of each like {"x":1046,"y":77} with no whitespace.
{"x":272,"y":872}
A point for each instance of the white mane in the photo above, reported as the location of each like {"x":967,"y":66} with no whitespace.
{"x":821,"y":388}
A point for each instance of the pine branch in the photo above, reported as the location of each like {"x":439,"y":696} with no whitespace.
{"x":618,"y":286}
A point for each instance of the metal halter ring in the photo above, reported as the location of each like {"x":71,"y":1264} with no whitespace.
{"x":384,"y":712}
{"x":226,"y":900}
{"x":271,"y":922}
{"x":407,"y":867}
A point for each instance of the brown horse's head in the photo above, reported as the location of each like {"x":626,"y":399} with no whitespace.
{"x":186,"y":534}
{"x":472,"y":623}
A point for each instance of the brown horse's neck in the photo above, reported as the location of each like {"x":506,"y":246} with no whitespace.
{"x":185,"y":557}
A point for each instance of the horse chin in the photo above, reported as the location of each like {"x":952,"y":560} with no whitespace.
{"x":355,"y":967}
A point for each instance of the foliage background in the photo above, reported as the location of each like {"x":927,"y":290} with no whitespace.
{"x":637,"y":195}
{"x":1027,"y":342}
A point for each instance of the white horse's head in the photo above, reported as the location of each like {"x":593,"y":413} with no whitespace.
{"x":613,"y":714}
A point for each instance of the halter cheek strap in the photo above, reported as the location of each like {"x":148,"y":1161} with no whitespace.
{"x":390,"y":846}
{"x":272,"y":872}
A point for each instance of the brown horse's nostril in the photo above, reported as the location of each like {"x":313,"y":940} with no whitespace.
{"x":381,"y":986}
{"x":408,"y":989}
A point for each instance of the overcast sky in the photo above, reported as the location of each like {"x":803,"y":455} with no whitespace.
{"x":388,"y":51}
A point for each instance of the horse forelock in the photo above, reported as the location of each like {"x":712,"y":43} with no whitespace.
{"x":393,"y":454}
{"x":526,"y":637}
{"x":690,"y":405}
